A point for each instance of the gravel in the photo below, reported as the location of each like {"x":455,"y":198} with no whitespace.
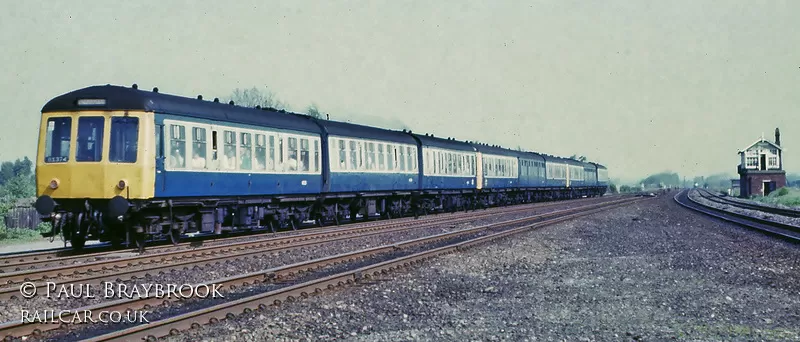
{"x":648,"y":271}
{"x":204,"y":274}
{"x":749,"y":212}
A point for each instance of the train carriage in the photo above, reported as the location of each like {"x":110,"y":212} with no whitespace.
{"x":499,"y":168}
{"x":555,"y":172}
{"x":590,"y":174}
{"x":369,"y":159}
{"x":447,"y":164}
{"x":575,"y":174}
{"x":531,"y":170}
{"x":602,"y":176}
{"x":111,"y":157}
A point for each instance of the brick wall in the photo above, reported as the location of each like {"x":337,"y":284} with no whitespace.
{"x":752,"y":184}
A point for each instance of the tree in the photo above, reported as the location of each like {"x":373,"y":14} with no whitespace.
{"x":23,"y":167}
{"x":22,"y":186}
{"x":255,"y":97}
{"x":314,"y":112}
{"x":6,"y":172}
{"x":666,"y":179}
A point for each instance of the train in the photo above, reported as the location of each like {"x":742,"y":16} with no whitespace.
{"x":123,"y":165}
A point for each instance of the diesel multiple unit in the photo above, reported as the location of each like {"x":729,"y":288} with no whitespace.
{"x":122,"y":164}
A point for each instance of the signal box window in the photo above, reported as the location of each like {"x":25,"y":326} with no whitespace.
{"x":90,"y":139}
{"x":228,"y":161}
{"x":246,"y":152}
{"x":177,"y":146}
{"x":59,"y":132}
{"x":124,"y":139}
{"x":199,"y":148}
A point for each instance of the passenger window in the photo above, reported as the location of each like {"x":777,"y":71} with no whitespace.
{"x":177,"y":146}
{"x":124,"y":139}
{"x":271,"y":159}
{"x":401,"y":157}
{"x":292,"y":154}
{"x":381,"y":158}
{"x":214,"y":145}
{"x":90,"y":139}
{"x":245,"y":151}
{"x":391,"y":157}
{"x":304,"y":155}
{"x":199,"y":152}
{"x":261,"y":152}
{"x":159,"y":141}
{"x":353,"y":155}
{"x":412,"y":160}
{"x":371,"y":156}
{"x":279,"y":162}
{"x":59,"y":133}
{"x":316,"y":155}
{"x":228,"y":161}
{"x":361,"y":165}
{"x":342,"y":155}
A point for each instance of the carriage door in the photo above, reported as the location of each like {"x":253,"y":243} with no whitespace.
{"x":160,"y":179}
{"x":479,"y":170}
{"x":213,"y":149}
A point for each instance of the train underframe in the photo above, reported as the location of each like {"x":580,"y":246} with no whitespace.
{"x":80,"y":220}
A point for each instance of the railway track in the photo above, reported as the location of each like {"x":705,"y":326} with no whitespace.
{"x":396,"y":255}
{"x":13,"y":262}
{"x":26,"y":264}
{"x":751,"y":206}
{"x":778,"y":229}
{"x":116,"y":270}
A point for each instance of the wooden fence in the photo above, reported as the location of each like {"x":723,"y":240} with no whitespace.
{"x":22,"y":217}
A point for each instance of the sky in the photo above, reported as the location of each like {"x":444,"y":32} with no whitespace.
{"x":639,"y":86}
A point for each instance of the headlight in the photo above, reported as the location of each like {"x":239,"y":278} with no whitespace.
{"x":122,"y":184}
{"x":54,"y":183}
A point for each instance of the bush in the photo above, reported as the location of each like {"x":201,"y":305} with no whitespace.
{"x":785,"y":196}
{"x":18,"y":234}
{"x":44,"y":227}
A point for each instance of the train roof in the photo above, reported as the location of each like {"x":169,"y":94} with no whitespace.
{"x":360,"y":131}
{"x":553,"y":159}
{"x":530,"y":155}
{"x":110,"y":97}
{"x":449,"y":144}
{"x":598,"y":165}
{"x":496,"y":150}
